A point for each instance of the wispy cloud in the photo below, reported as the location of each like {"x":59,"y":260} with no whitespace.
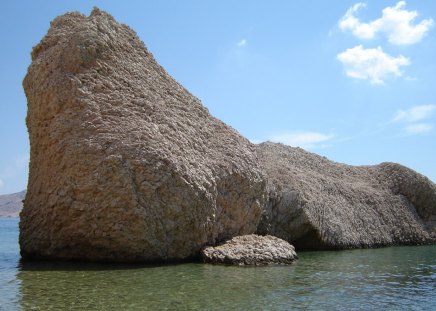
{"x":242,"y":43}
{"x":412,"y":119}
{"x":418,"y":128}
{"x":1,"y":183}
{"x":371,"y":64}
{"x":396,"y":23}
{"x":414,"y":114}
{"x":306,"y":140}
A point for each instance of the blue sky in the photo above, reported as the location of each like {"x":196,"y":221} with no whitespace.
{"x":352,"y":81}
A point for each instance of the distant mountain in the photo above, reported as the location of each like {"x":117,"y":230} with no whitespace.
{"x":11,"y":204}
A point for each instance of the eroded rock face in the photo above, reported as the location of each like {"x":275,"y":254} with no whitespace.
{"x":126,"y":165}
{"x":315,"y":203}
{"x":251,"y":250}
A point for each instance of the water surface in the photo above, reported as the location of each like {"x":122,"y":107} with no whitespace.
{"x":394,"y":278}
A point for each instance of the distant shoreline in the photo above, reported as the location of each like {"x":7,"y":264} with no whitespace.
{"x":11,"y":204}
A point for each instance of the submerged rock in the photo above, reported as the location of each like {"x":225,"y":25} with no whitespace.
{"x":125,"y":164}
{"x":315,"y":203}
{"x":251,"y":250}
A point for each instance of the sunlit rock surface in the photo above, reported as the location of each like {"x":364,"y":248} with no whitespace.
{"x":250,"y":250}
{"x":315,"y":203}
{"x":125,"y":164}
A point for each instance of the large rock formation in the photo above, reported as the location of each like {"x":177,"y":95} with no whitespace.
{"x":315,"y":203}
{"x":125,"y":164}
{"x":252,"y":249}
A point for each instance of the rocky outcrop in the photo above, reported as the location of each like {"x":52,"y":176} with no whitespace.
{"x":11,"y":204}
{"x":125,"y":164}
{"x":251,"y":250}
{"x":315,"y":203}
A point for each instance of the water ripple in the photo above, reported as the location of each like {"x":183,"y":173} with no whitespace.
{"x":396,"y":278}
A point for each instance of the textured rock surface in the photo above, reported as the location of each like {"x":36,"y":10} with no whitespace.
{"x":126,"y":165}
{"x":315,"y":203}
{"x":11,"y":204}
{"x":251,"y":250}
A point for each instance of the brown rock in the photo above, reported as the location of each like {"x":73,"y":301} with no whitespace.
{"x":251,"y":250}
{"x":125,"y":164}
{"x":315,"y":203}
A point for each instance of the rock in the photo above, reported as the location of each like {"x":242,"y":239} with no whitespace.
{"x":251,"y":250}
{"x":125,"y":164}
{"x":315,"y":203}
{"x":11,"y":204}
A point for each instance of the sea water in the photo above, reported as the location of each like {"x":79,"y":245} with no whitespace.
{"x":393,"y":278}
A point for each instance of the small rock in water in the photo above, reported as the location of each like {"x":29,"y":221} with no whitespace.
{"x":251,"y":249}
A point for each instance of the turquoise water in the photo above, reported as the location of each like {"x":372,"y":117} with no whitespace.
{"x":395,"y":278}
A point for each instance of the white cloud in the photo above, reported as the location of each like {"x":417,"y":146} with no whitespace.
{"x":371,"y":64}
{"x":351,"y":22}
{"x":419,"y":128}
{"x":408,"y":78}
{"x":306,"y":140}
{"x":396,"y":23}
{"x":1,"y":183}
{"x":412,"y":117}
{"x":241,"y":43}
{"x":414,"y":114}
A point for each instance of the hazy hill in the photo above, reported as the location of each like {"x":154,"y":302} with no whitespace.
{"x":11,"y":204}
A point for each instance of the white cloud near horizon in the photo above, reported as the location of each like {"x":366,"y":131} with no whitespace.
{"x":241,"y":43}
{"x":1,"y":183}
{"x":396,"y":23}
{"x":305,"y":140}
{"x":371,"y":64}
{"x":416,"y":113}
{"x":418,"y":128}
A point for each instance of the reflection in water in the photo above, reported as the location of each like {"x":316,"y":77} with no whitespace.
{"x":9,"y":284}
{"x":386,"y":278}
{"x":360,"y":279}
